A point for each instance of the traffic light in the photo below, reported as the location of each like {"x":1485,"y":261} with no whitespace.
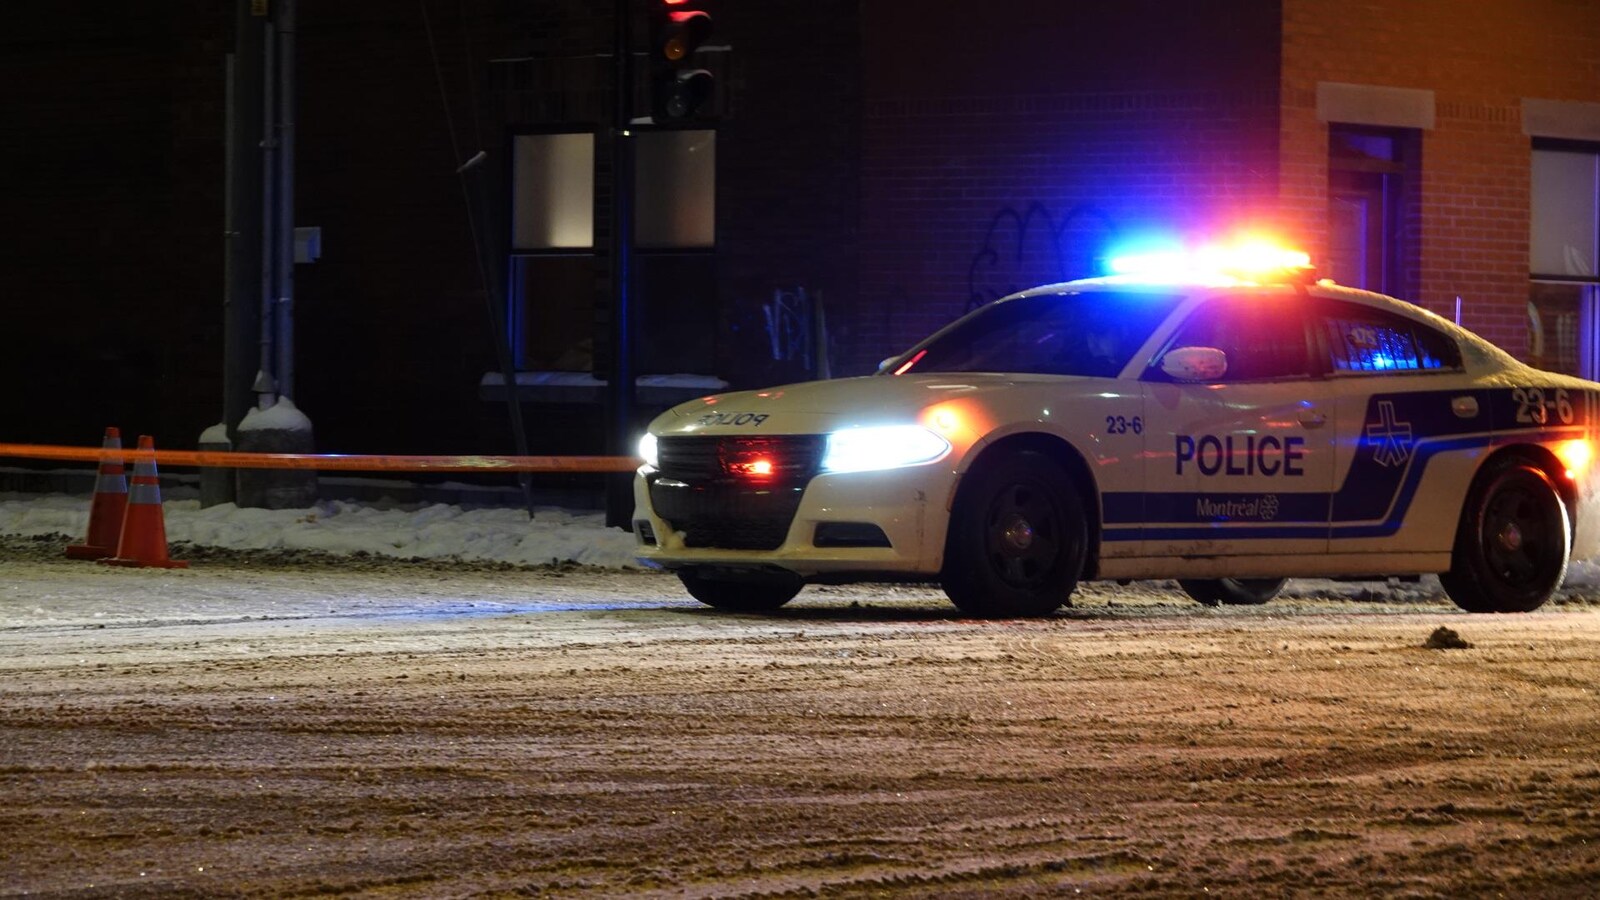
{"x":678,"y":87}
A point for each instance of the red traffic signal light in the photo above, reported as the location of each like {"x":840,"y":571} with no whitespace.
{"x":678,"y":87}
{"x":685,"y":30}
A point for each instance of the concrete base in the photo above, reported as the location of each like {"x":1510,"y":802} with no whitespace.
{"x":276,"y":488}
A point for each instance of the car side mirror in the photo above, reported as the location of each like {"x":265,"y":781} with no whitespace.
{"x":1195,"y":364}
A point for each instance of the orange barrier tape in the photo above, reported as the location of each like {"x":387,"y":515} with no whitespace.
{"x":329,"y":461}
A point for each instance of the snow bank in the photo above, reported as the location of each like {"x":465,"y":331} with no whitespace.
{"x":437,"y":531}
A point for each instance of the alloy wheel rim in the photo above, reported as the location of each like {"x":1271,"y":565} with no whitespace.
{"x":1023,"y":534}
{"x":1517,"y":538}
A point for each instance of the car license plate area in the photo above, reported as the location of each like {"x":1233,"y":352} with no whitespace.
{"x":725,"y":515}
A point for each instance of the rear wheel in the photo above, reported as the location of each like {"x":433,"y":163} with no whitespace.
{"x":1512,"y":544}
{"x":1018,"y":538}
{"x":1232,"y":591}
{"x":752,"y":593}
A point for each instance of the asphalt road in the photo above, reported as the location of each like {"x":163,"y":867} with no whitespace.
{"x":290,"y":725}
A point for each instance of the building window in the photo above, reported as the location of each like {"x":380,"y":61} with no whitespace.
{"x":552,"y":272}
{"x":1372,"y":185}
{"x":552,"y":186}
{"x":1563,"y":253}
{"x":676,"y":307}
{"x":555,"y":274}
{"x":675,"y":177}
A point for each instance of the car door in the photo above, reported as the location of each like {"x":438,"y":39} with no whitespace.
{"x":1241,"y":463}
{"x":1416,"y":429}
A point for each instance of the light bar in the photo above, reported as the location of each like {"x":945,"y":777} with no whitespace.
{"x":1249,"y":261}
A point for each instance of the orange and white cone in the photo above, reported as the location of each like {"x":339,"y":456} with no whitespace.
{"x":144,"y":530}
{"x":107,"y":507}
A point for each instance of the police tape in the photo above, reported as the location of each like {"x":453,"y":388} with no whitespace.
{"x":229,"y":459}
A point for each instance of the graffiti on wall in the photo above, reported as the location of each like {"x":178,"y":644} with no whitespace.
{"x":1034,"y":246}
{"x":797,"y":331}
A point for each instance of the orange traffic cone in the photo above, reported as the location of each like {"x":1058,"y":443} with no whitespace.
{"x":106,"y":509}
{"x":144,"y":530}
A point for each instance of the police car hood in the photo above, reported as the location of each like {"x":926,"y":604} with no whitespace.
{"x":819,"y":406}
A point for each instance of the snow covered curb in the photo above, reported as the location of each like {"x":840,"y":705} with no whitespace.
{"x":436,"y":531}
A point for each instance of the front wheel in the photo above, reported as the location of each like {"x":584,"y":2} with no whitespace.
{"x":1512,"y":543}
{"x":762,"y":593}
{"x":1018,"y":538}
{"x":1232,"y":591}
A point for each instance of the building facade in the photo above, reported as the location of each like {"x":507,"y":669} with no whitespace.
{"x":863,"y":173}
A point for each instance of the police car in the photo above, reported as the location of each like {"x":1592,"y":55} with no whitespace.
{"x":1220,"y":417}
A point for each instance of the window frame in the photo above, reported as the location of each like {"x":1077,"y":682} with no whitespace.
{"x":642,"y":135}
{"x":1561,"y":145}
{"x":510,"y":193}
{"x":515,"y":315}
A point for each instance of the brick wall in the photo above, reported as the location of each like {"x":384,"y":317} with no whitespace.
{"x":393,"y":334}
{"x":111,"y":241}
{"x":788,"y":191}
{"x":1023,"y":148}
{"x":1479,"y":59}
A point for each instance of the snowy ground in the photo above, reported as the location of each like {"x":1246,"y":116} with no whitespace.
{"x":433,"y":531}
{"x":284,"y":723}
{"x":412,"y":701}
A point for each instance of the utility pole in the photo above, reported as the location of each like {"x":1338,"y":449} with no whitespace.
{"x":619,"y":430}
{"x":241,"y":327}
{"x":261,"y":187}
{"x":284,"y":236}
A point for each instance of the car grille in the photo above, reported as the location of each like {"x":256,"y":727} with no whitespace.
{"x":705,"y":487}
{"x":794,"y":457}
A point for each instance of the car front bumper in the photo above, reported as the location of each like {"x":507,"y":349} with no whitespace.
{"x":834,"y":527}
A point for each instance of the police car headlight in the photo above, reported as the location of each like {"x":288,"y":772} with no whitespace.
{"x":882,"y":447}
{"x":648,"y":452}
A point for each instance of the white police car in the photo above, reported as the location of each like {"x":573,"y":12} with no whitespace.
{"x":1228,"y":422}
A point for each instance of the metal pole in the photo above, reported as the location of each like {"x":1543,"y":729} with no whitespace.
{"x":286,"y":123}
{"x":265,"y":386}
{"x":619,"y":488}
{"x":242,"y":222}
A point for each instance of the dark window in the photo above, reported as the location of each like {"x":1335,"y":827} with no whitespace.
{"x":1373,"y":204}
{"x":1369,"y":340}
{"x":1564,"y":253}
{"x":552,"y":311}
{"x":558,"y":287}
{"x":1089,"y":333}
{"x":1264,"y":337}
{"x":552,"y":264}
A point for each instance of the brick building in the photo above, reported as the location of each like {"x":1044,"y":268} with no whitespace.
{"x":889,"y":163}
{"x":1398,"y":142}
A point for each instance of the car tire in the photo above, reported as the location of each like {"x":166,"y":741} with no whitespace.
{"x":1018,"y":538}
{"x":1232,"y":591}
{"x":744,"y":594}
{"x":1512,"y":543}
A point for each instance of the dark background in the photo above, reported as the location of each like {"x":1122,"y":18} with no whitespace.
{"x":903,"y":161}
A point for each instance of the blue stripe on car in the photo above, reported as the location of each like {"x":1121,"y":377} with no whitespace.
{"x":1372,"y":502}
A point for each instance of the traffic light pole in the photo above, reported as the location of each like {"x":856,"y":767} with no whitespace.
{"x":619,"y":488}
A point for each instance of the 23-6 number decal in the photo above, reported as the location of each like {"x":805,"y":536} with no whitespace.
{"x":1534,"y":405}
{"x":1122,"y":425}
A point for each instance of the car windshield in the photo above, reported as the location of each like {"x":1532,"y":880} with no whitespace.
{"x":1081,"y":333}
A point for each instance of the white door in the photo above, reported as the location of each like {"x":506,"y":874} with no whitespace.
{"x":1243,"y":464}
